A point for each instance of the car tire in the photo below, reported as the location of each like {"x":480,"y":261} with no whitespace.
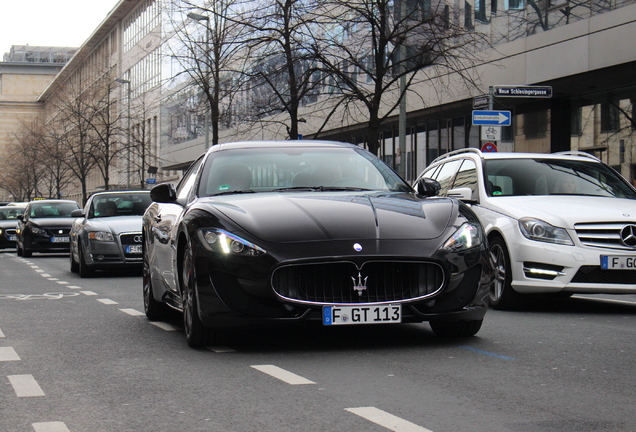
{"x":74,"y":264}
{"x":456,"y":328}
{"x":502,"y":295}
{"x":18,"y":250}
{"x":83,"y":269}
{"x":155,"y":311}
{"x":197,"y":335}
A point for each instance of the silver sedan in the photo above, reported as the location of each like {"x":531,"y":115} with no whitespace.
{"x":106,"y":233}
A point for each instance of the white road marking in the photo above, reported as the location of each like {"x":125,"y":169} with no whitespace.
{"x":88,"y":292}
{"x":50,"y":427}
{"x":164,"y":325}
{"x":25,"y":386}
{"x":53,"y":279}
{"x":74,"y":287}
{"x":46,"y":275}
{"x":1,"y":334}
{"x":8,"y":354}
{"x":220,"y":349}
{"x":40,"y":271}
{"x":132,"y":312}
{"x":386,"y":420}
{"x":107,"y":301}
{"x":34,"y":266}
{"x":282,"y":374}
{"x":62,"y":282}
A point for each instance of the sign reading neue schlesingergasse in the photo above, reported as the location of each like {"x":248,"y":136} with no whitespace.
{"x":523,"y":91}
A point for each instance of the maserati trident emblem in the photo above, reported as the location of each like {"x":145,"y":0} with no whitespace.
{"x":628,"y":235}
{"x":360,"y":285}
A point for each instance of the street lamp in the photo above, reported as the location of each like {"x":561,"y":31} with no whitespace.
{"x":127,"y":82}
{"x":199,"y":17}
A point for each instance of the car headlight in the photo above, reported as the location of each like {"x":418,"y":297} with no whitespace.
{"x":536,"y":229}
{"x":216,"y":240}
{"x":101,"y":236}
{"x":36,"y":230}
{"x":467,"y":236}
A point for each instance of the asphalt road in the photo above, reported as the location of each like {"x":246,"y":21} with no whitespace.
{"x":79,"y":355}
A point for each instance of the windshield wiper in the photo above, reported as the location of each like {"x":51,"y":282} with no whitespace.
{"x":320,"y":188}
{"x":230,"y":192}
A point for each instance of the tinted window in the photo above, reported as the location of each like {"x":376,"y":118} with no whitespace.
{"x":555,"y":177}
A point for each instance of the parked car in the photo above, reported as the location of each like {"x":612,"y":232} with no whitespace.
{"x":107,"y":232}
{"x":44,"y":227}
{"x":8,"y":224}
{"x":294,"y":231}
{"x":558,"y":224}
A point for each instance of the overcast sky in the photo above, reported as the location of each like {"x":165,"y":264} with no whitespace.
{"x":50,"y":22}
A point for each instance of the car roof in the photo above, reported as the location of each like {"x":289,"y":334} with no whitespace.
{"x":281,"y":144}
{"x":48,"y":201}
{"x":571,"y":155}
{"x":120,"y":192}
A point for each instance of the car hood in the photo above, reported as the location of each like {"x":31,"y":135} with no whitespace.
{"x":566,"y":211}
{"x":116,"y":224}
{"x":298,"y":217}
{"x":53,"y":222}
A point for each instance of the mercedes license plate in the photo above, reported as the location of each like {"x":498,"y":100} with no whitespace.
{"x":382,"y":314}
{"x":618,"y":262}
{"x":134,"y":249}
{"x":59,"y":239}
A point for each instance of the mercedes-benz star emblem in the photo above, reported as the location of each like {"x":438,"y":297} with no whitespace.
{"x":628,"y":235}
{"x":357,"y":247}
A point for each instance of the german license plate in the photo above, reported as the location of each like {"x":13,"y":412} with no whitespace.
{"x":12,"y":238}
{"x":340,"y":315}
{"x":59,"y":239}
{"x":618,"y":262}
{"x":134,"y":249}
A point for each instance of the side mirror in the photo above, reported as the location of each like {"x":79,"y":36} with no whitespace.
{"x":20,"y":217}
{"x":77,"y":213}
{"x":427,"y":187}
{"x":163,"y":193}
{"x":463,"y":194}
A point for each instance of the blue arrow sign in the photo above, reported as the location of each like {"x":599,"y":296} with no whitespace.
{"x":491,"y":118}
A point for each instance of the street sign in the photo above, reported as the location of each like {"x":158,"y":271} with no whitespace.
{"x":482,"y":101}
{"x":151,"y":181}
{"x":523,"y":91}
{"x":489,"y":148}
{"x":491,"y":118}
{"x":491,"y":133}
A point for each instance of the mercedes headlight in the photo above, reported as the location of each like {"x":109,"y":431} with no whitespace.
{"x":536,"y":229}
{"x":101,"y":236}
{"x":467,"y":236}
{"x":217,"y":240}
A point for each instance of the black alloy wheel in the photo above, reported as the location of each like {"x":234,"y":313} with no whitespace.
{"x":502,"y":295}
{"x":197,"y":335}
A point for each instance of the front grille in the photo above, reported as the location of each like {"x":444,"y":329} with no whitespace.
{"x":603,"y":235}
{"x":10,"y":232}
{"x":57,"y":232}
{"x":597,"y":275}
{"x":130,"y":239}
{"x":342,"y":282}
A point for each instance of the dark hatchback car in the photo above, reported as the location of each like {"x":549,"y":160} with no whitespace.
{"x":107,"y":232}
{"x":44,"y":227}
{"x":8,"y":224}
{"x":296,"y":231}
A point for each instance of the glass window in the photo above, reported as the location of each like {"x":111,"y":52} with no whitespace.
{"x":467,"y":177}
{"x":446,"y":175}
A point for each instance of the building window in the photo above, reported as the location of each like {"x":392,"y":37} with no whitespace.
{"x":576,"y":121}
{"x":468,"y":16}
{"x":514,"y":4}
{"x":480,"y":11}
{"x":610,"y":117}
{"x":535,"y":124}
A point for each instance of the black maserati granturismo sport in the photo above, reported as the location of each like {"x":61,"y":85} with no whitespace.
{"x":293,"y":231}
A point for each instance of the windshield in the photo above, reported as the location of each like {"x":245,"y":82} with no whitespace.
{"x":288,"y":169}
{"x":514,"y":177}
{"x":53,"y":209}
{"x":119,"y":204}
{"x":10,"y":213}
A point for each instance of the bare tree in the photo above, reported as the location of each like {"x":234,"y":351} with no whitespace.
{"x":19,"y":174}
{"x":367,"y":47}
{"x":206,"y":42}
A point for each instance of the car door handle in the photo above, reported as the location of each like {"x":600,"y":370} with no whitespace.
{"x":157,"y":219}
